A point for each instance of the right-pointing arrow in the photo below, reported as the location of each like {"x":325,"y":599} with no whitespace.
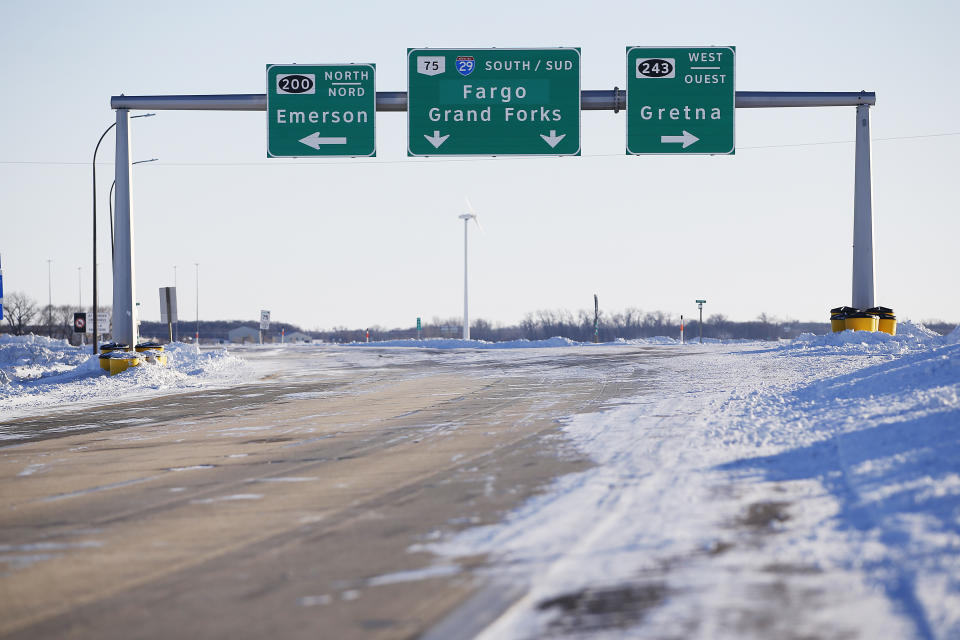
{"x":436,"y":139}
{"x":686,"y":139}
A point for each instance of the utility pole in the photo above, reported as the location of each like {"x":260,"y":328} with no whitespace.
{"x":596,"y":319}
{"x":80,"y":299}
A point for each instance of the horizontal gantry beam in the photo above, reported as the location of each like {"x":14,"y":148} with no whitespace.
{"x":596,"y":100}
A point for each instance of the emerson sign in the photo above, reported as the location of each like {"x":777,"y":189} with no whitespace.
{"x":321,"y":110}
{"x":680,"y":100}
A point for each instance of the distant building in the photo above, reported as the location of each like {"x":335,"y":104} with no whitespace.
{"x":297,"y":336}
{"x":243,"y":334}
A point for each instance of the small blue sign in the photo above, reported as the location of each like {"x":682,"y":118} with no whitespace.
{"x":465,"y":65}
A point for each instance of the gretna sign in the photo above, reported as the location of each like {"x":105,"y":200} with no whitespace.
{"x":680,"y":100}
{"x":493,"y":101}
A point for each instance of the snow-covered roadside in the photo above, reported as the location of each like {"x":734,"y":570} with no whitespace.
{"x":804,"y":489}
{"x":38,"y":373}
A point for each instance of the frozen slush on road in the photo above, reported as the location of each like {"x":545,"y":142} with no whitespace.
{"x":802,"y":489}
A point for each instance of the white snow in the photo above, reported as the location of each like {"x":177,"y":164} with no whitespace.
{"x":37,"y":373}
{"x":809,"y":488}
{"x":804,"y":488}
{"x":458,"y":343}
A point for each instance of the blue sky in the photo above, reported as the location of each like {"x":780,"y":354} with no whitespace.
{"x":360,"y":242}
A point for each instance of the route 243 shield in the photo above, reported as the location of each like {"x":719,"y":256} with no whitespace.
{"x":465,"y":65}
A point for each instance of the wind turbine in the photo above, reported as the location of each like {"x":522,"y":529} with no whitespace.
{"x":466,"y":217}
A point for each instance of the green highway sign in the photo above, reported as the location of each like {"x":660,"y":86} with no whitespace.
{"x":487,"y":102}
{"x":321,"y":110}
{"x":680,"y":100}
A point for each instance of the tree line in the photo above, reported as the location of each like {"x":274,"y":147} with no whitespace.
{"x":24,"y":315}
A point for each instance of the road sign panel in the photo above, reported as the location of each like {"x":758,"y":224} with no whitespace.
{"x":79,"y":322}
{"x":321,"y":110}
{"x":264,"y":320}
{"x":680,"y":100}
{"x":493,"y":102}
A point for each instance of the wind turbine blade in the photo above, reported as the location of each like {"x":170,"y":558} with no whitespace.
{"x":470,"y":206}
{"x":476,"y":219}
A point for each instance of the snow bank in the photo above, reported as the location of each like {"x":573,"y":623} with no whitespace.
{"x":38,"y":373}
{"x":910,"y":337}
{"x":804,"y":488}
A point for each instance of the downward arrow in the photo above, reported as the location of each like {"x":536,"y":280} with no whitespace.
{"x":553,"y":139}
{"x":436,"y":139}
{"x":686,"y":139}
{"x":314,"y":140}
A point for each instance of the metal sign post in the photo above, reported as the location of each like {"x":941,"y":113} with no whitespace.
{"x":124,"y":290}
{"x":264,"y":323}
{"x":168,"y":308}
{"x":700,"y":304}
{"x":394,"y":101}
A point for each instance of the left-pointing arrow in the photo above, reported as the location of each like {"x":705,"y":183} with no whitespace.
{"x":314,"y":140}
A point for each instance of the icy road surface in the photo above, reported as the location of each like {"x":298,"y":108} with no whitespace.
{"x":757,"y":490}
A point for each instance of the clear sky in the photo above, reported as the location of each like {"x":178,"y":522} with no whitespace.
{"x":362,"y":242}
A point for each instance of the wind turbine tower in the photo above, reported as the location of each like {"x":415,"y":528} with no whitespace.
{"x":467,"y":217}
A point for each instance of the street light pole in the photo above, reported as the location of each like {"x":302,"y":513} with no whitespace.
{"x":49,"y":301}
{"x":196,"y":337}
{"x":96,"y":300}
{"x":176,"y":330}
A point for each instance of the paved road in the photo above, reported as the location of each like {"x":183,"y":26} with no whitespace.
{"x":292,"y":506}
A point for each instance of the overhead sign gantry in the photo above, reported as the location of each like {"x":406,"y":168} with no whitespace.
{"x":550,"y":89}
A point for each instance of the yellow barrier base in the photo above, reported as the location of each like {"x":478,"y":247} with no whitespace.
{"x":887,"y":325}
{"x":119,"y":361}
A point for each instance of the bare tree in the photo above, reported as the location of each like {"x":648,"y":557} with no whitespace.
{"x":19,"y":310}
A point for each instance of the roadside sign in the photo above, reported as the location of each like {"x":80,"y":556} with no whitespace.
{"x":680,"y":100}
{"x":264,"y":320}
{"x":493,"y":102}
{"x":103,"y":322}
{"x":79,"y":323}
{"x":168,"y":304}
{"x":321,"y":110}
{"x":418,"y":324}
{"x":701,"y":301}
